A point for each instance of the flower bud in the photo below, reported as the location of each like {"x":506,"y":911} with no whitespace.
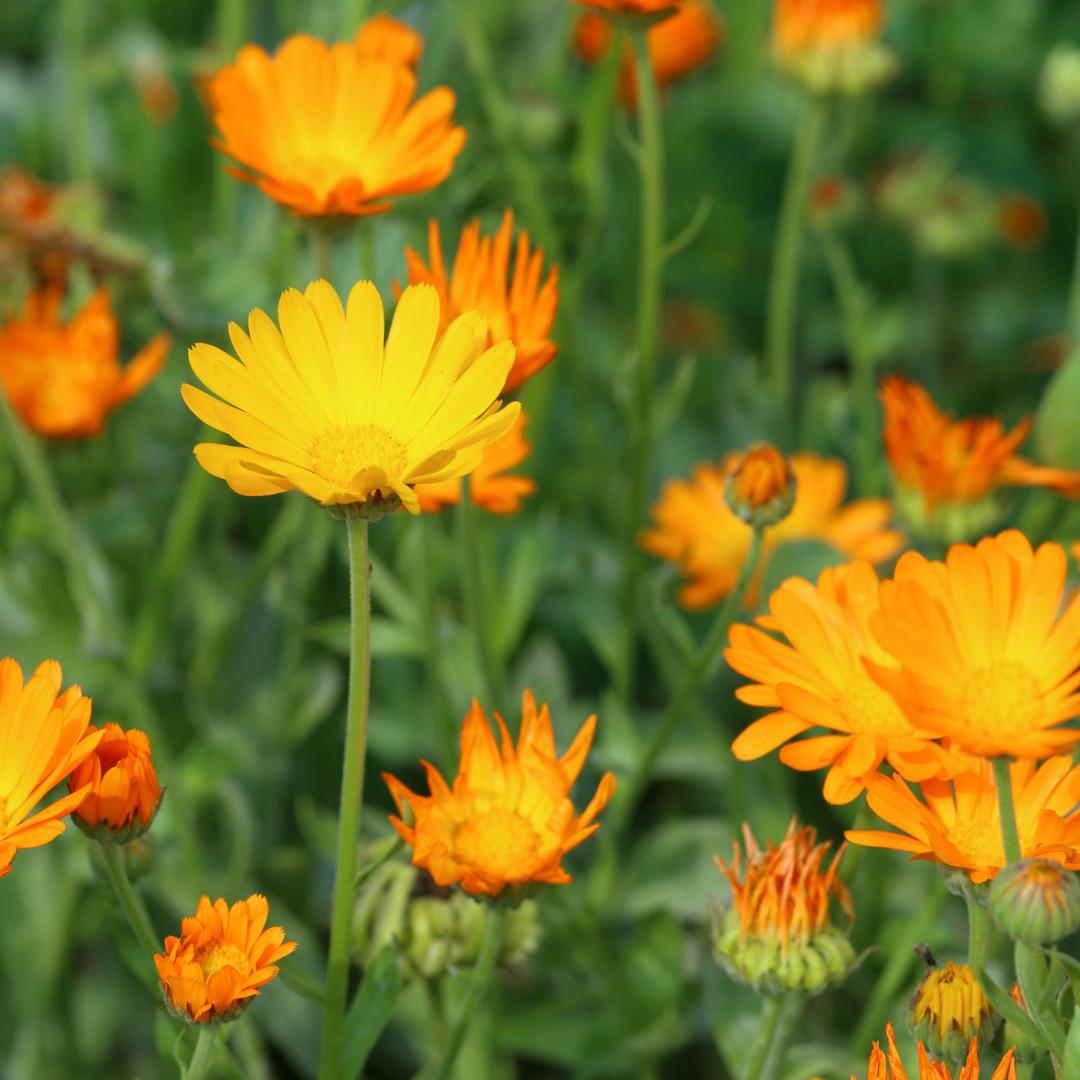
{"x":761,"y":488}
{"x":948,"y":1010}
{"x":1059,"y":89}
{"x":833,"y":204}
{"x":1036,"y":901}
{"x":1027,"y":1051}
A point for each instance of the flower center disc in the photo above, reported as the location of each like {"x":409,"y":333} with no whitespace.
{"x":339,"y":453}
{"x":217,"y":956}
{"x":979,"y":840}
{"x":498,"y":843}
{"x":1004,"y":700}
{"x":870,"y":710}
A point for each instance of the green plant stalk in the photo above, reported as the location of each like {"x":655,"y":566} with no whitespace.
{"x":352,"y":794}
{"x":979,"y":930}
{"x":130,"y":900}
{"x":322,"y":251}
{"x":1073,"y":328}
{"x":80,"y":161}
{"x":787,"y":263}
{"x":231,"y":29}
{"x":1010,"y":837}
{"x":790,"y":1010}
{"x":770,"y":1016}
{"x":1025,"y":1070}
{"x":204,"y":1053}
{"x":494,"y":928}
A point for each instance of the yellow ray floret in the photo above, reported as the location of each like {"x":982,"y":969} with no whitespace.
{"x":324,"y":406}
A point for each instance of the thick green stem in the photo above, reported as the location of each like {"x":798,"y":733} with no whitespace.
{"x":1009,"y":835}
{"x":494,"y":929}
{"x":1073,"y":328}
{"x":352,"y":794}
{"x":787,"y":263}
{"x":770,"y":1016}
{"x":231,"y":29}
{"x":130,"y":900}
{"x":978,"y":934}
{"x":204,"y":1053}
{"x":790,"y":1010}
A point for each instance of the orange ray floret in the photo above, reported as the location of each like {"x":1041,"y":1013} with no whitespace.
{"x":333,"y":129}
{"x":211,"y":973}
{"x":983,"y":657}
{"x":802,"y":25}
{"x":695,"y":528}
{"x":934,"y":1070}
{"x":523,"y":314}
{"x":43,"y":737}
{"x":822,"y":678}
{"x":957,"y":461}
{"x":632,"y":7}
{"x":65,"y":379}
{"x":508,"y":820}
{"x":387,"y":39}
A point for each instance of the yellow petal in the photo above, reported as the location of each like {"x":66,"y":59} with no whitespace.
{"x":304,"y":339}
{"x":365,"y":323}
{"x":408,"y":348}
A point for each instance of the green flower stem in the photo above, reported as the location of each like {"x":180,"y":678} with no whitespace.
{"x":80,"y":161}
{"x":203,"y":1057}
{"x":978,"y":934}
{"x":770,"y":1017}
{"x":1073,"y":328}
{"x":352,"y":793}
{"x":1009,"y":835}
{"x":494,"y":928}
{"x":790,"y":1010}
{"x":1025,"y":1070}
{"x":787,"y":262}
{"x":232,"y":20}
{"x":322,"y":254}
{"x":130,"y":900}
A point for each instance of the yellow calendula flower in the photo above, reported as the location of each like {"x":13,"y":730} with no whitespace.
{"x":949,"y":1011}
{"x":324,"y":406}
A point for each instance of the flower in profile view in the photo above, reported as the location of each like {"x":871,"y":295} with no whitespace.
{"x":490,"y":487}
{"x":325,"y":407}
{"x":332,"y":129}
{"x":45,"y":736}
{"x":212,"y":971}
{"x":1036,"y":901}
{"x":695,"y":527}
{"x":507,"y":821}
{"x":522,"y":313}
{"x":934,"y":1070}
{"x":760,"y":490}
{"x":64,"y":379}
{"x":949,"y":1011}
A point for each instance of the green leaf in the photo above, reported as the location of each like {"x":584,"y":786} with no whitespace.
{"x":300,"y":982}
{"x":1056,"y":434}
{"x":520,"y":589}
{"x":1070,"y":1066}
{"x":370,"y":1011}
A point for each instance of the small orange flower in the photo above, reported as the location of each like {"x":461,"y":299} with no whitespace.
{"x":508,"y":820}
{"x":489,"y":487}
{"x":64,"y":380}
{"x":478,"y":282}
{"x":934,"y":1070}
{"x":761,"y":487}
{"x":802,"y":25}
{"x":329,"y":130}
{"x":1022,"y":220}
{"x":43,"y":738}
{"x":645,"y":8}
{"x":384,"y":38}
{"x":211,"y":973}
{"x":124,"y":793}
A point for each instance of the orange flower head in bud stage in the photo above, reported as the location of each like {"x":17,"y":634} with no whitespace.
{"x":760,"y":490}
{"x":45,"y":736}
{"x":1022,"y":220}
{"x":331,"y":129}
{"x":1036,"y":901}
{"x":64,"y":378}
{"x":695,"y":527}
{"x":508,"y":820}
{"x":489,"y":486}
{"x":522,"y":313}
{"x":211,"y":972}
{"x":124,"y":793}
{"x":882,"y":1069}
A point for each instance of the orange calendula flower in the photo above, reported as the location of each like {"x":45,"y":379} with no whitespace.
{"x":523,"y":314}
{"x":331,"y":129}
{"x":981,"y":653}
{"x":65,"y":379}
{"x":933,"y":1070}
{"x":489,"y":486}
{"x":822,"y":678}
{"x":801,"y":25}
{"x":212,"y":971}
{"x":508,"y":820}
{"x":124,"y":793}
{"x":387,"y":39}
{"x":761,"y":487}
{"x":44,"y":737}
{"x":695,"y":527}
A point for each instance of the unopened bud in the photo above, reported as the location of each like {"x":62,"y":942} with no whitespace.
{"x":1059,"y":89}
{"x":833,"y":204}
{"x":948,"y":1010}
{"x":1036,"y":901}
{"x":761,"y":488}
{"x":1026,"y":1050}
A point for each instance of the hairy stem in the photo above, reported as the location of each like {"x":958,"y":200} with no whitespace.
{"x":1009,"y":835}
{"x":770,"y":1016}
{"x":130,"y":900}
{"x":204,"y":1053}
{"x":978,"y":934}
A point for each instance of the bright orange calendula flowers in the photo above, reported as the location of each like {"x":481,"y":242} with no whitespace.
{"x":212,"y":971}
{"x":332,"y":129}
{"x":880,"y":1069}
{"x":44,"y":735}
{"x":801,"y":25}
{"x":522,"y":314}
{"x":64,"y":378}
{"x":508,"y":820}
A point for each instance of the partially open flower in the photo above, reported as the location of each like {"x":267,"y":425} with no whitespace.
{"x":934,"y":1070}
{"x":210,"y":974}
{"x":761,"y":488}
{"x":949,"y":1010}
{"x":1036,"y":901}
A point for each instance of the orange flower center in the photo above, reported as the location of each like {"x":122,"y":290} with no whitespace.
{"x":221,"y":954}
{"x":497,"y":843}
{"x":870,"y":710}
{"x":1003,"y":700}
{"x":341,"y":452}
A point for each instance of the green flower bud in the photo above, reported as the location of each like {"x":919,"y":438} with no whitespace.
{"x":958,"y":882}
{"x":761,"y":488}
{"x":1036,"y":901}
{"x":1026,"y":1051}
{"x":948,"y":1010}
{"x":1059,"y":89}
{"x":851,"y":70}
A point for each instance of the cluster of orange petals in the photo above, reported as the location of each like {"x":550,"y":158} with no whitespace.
{"x":222,"y":957}
{"x":43,"y":736}
{"x":489,"y":486}
{"x":957,"y":461}
{"x":123,"y":784}
{"x":803,"y":25}
{"x":522,"y":313}
{"x":333,"y":129}
{"x":631,"y":7}
{"x":880,"y":1069}
{"x":783,"y":892}
{"x":508,"y":820}
{"x":762,"y":476}
{"x":65,"y":379}
{"x":695,"y":527}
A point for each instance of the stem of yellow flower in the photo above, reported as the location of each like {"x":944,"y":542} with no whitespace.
{"x":130,"y":900}
{"x":203,"y":1057}
{"x":770,"y":1016}
{"x":978,"y":934}
{"x":352,"y":794}
{"x":787,"y":262}
{"x":322,"y":251}
{"x":1010,"y":836}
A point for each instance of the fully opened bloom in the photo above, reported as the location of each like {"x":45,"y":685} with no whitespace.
{"x":333,"y":129}
{"x":65,"y":378}
{"x":212,"y":971}
{"x":695,"y":527}
{"x":324,"y":406}
{"x":933,"y":1070}
{"x":821,"y":677}
{"x":43,"y":738}
{"x":522,"y":313}
{"x":508,"y":820}
{"x":983,"y":657}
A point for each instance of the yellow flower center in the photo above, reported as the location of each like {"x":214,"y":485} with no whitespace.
{"x":979,"y":840}
{"x":497,"y":843}
{"x":1003,"y":700}
{"x":870,"y":710}
{"x":221,"y":954}
{"x":341,"y":452}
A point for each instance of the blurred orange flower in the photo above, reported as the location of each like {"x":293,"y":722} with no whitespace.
{"x":44,"y":737}
{"x":329,"y":130}
{"x":64,"y":380}
{"x":489,"y":488}
{"x":508,"y":820}
{"x":478,"y":282}
{"x":211,"y":973}
{"x":1022,"y":220}
{"x":632,"y":7}
{"x":934,"y":1070}
{"x":801,"y":25}
{"x":696,"y":529}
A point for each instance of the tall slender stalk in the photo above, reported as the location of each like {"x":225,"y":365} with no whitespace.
{"x":791,"y":1005}
{"x":231,"y":28}
{"x":1010,"y":836}
{"x":322,"y":251}
{"x":203,"y":1057}
{"x":352,"y":794}
{"x":80,"y":162}
{"x":1073,"y":327}
{"x":770,"y":1016}
{"x":130,"y":900}
{"x":978,"y":934}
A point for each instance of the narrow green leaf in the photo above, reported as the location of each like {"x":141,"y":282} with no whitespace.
{"x":300,"y":982}
{"x":370,"y":1011}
